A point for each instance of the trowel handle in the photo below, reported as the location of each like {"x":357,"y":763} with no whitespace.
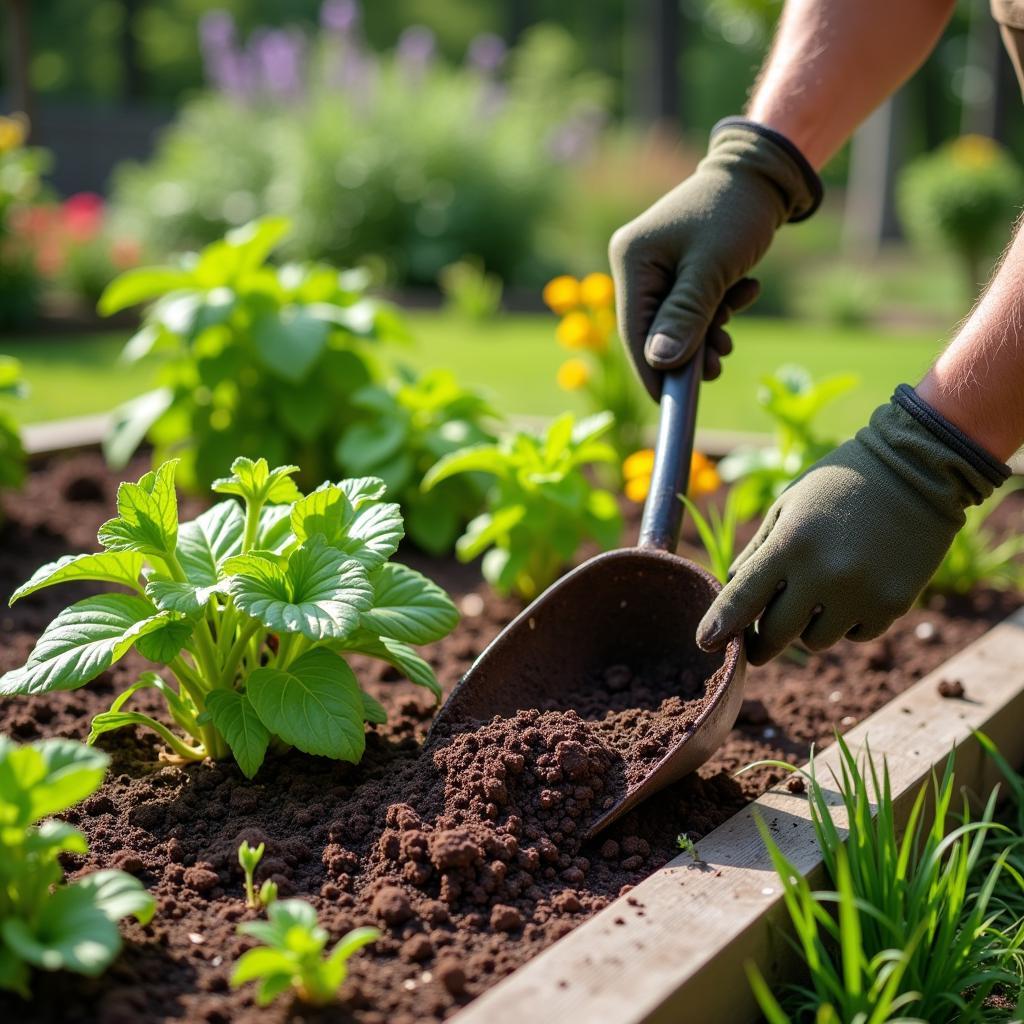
{"x":663,"y":511}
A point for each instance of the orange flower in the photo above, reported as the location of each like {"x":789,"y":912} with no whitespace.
{"x":597,"y":291}
{"x":638,"y":464}
{"x":562,"y":294}
{"x":573,"y":374}
{"x":704,"y":478}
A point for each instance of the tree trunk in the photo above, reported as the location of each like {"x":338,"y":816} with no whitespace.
{"x":19,"y":50}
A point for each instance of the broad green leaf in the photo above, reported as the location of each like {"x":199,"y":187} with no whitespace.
{"x":132,"y":421}
{"x":373,"y":710}
{"x":320,"y":594}
{"x":164,"y":643}
{"x":147,"y":519}
{"x":83,"y":641}
{"x":14,"y":973}
{"x":258,"y":484}
{"x":362,"y":489}
{"x":315,"y":704}
{"x":46,"y":778}
{"x":282,"y":917}
{"x":121,"y":567}
{"x":326,"y":512}
{"x":53,"y":837}
{"x":480,"y":458}
{"x":184,"y":598}
{"x":236,"y":720}
{"x":394,"y":652}
{"x":366,"y":445}
{"x":374,"y":535}
{"x":289,"y":341}
{"x":274,"y":532}
{"x":256,"y":240}
{"x":488,"y":529}
{"x":592,"y":427}
{"x":77,"y":928}
{"x":263,"y":963}
{"x":140,"y":285}
{"x":409,"y":607}
{"x":208,"y":539}
{"x":558,"y":438}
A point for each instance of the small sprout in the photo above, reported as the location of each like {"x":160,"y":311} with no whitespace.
{"x":687,"y":845}
{"x":268,"y":892}
{"x":249,"y":858}
{"x":291,"y":955}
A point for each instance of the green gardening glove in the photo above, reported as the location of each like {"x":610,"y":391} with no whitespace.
{"x":850,"y":544}
{"x":679,"y":267}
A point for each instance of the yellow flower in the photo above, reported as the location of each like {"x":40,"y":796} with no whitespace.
{"x":704,"y":478}
{"x":597,"y":291}
{"x":576,"y":331}
{"x":561,"y":294}
{"x":573,"y":374}
{"x":974,"y":151}
{"x":638,"y":464}
{"x":637,"y":488}
{"x":12,"y":132}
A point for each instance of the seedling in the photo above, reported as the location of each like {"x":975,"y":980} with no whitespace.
{"x":542,"y":505}
{"x":911,"y":929}
{"x":401,"y":431}
{"x":247,"y":610}
{"x":687,"y":845}
{"x":291,"y":955}
{"x":249,"y":858}
{"x":717,"y":532}
{"x":268,"y":893}
{"x":44,"y":922}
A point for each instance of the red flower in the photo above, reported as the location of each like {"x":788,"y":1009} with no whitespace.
{"x":83,"y":216}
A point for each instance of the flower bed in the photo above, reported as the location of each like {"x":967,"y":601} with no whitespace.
{"x":346,"y":837}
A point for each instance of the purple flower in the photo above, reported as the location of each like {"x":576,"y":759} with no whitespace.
{"x":217,"y":30}
{"x":415,"y":50}
{"x":339,"y":16}
{"x":279,"y":56}
{"x":487,"y":52}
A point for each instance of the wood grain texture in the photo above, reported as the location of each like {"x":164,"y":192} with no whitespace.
{"x":675,"y":947}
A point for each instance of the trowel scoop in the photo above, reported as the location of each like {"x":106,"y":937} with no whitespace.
{"x":636,"y":606}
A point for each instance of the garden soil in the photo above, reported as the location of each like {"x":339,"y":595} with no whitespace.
{"x":467,"y":852}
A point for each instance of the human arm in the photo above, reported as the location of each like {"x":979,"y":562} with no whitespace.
{"x":680,"y":267}
{"x":850,"y":545}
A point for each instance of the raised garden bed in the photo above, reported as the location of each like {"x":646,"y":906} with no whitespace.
{"x":464,"y":900}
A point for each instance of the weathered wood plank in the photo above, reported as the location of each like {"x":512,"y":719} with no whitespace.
{"x":688,"y":929}
{"x":65,"y":435}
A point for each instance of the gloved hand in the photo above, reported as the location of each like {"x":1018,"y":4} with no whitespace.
{"x":679,"y":267}
{"x":851,"y":543}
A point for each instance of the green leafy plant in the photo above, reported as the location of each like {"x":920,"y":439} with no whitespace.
{"x":292,"y":955}
{"x":910,"y":931}
{"x":470,"y":291}
{"x":794,"y":401}
{"x":254,"y":359}
{"x":965,"y":196}
{"x":402,"y":430}
{"x":12,"y":452}
{"x":717,"y":531}
{"x":542,"y":505}
{"x":977,"y":558}
{"x":45,"y":923}
{"x":249,"y":858}
{"x":247,"y":609}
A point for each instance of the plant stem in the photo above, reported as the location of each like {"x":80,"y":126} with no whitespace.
{"x":252,"y":525}
{"x":234,"y":656}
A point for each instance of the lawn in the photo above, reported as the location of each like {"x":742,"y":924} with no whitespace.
{"x":515,"y":358}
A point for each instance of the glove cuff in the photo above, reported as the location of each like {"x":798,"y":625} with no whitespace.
{"x":951,"y":436}
{"x":806,"y":196}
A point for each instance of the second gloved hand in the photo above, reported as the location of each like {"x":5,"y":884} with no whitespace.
{"x":849,"y":546}
{"x":680,"y":266}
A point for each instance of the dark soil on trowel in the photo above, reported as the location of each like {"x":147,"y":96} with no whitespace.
{"x":469,"y":853}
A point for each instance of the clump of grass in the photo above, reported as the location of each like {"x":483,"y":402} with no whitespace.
{"x":913,"y":929}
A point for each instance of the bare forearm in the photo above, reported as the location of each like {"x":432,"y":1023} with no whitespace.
{"x":834,"y":61}
{"x":978,"y":382}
